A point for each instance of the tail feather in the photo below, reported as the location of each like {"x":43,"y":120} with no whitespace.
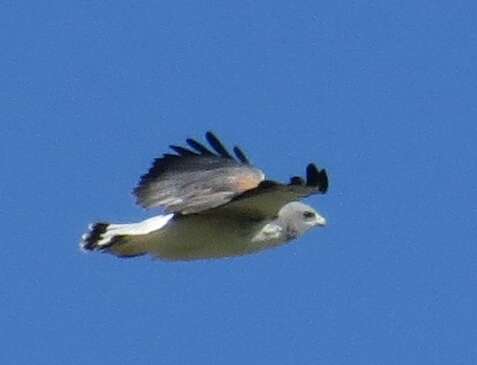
{"x":122,"y":239}
{"x":94,"y":239}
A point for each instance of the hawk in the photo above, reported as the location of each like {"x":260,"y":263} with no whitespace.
{"x":215,"y":205}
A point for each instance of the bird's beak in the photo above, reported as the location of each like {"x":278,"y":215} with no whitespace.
{"x":320,"y":221}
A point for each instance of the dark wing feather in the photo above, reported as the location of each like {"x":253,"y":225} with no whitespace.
{"x":181,"y":151}
{"x":195,"y":180}
{"x":217,"y":145}
{"x":199,"y":147}
{"x":241,"y":156}
{"x":269,"y":197}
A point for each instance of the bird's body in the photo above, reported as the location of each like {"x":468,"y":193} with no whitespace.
{"x":193,"y":237}
{"x":216,"y":208}
{"x":205,"y":236}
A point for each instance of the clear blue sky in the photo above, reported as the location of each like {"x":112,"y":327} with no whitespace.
{"x":382,"y":94}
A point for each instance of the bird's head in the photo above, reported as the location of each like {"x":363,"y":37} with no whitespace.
{"x":299,"y":217}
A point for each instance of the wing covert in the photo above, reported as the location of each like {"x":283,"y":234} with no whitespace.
{"x":269,"y":197}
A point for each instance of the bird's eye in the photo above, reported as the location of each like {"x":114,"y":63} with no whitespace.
{"x":308,"y":215}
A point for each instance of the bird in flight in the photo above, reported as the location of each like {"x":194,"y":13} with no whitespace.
{"x":215,"y":205}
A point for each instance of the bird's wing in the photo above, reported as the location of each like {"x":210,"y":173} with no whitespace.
{"x":269,"y":197}
{"x":197,"y":178}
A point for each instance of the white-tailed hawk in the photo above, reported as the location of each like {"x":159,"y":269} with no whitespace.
{"x":215,"y":205}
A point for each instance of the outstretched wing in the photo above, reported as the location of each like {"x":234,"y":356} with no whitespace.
{"x":269,"y":197}
{"x":196,"y":179}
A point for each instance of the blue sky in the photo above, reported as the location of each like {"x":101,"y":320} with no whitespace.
{"x":382,"y":94}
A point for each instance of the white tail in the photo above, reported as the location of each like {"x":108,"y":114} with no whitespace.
{"x":103,"y":236}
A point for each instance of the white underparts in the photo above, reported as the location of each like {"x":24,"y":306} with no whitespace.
{"x":270,"y":231}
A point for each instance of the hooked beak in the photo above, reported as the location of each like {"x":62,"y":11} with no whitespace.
{"x":320,"y":221}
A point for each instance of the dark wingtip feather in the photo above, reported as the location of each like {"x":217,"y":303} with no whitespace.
{"x":324,"y":181}
{"x":241,"y":156}
{"x":199,"y":147}
{"x":317,"y":178}
{"x":311,"y":175}
{"x":217,"y":145}
{"x":183,"y":151}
